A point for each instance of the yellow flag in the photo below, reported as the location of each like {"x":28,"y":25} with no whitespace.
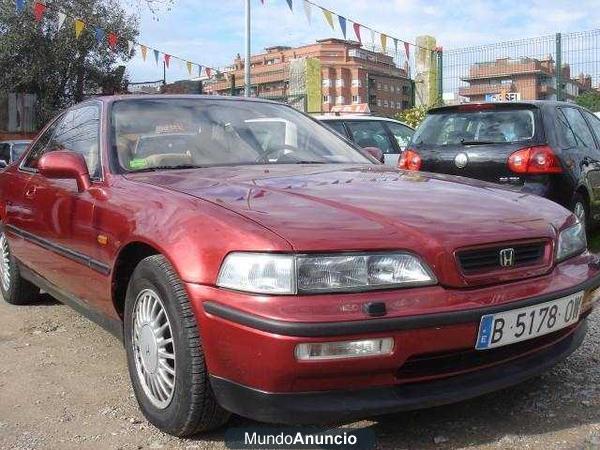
{"x":384,"y":42}
{"x":189,"y":68}
{"x":328,"y":17}
{"x":79,"y":26}
{"x":144,"y":50}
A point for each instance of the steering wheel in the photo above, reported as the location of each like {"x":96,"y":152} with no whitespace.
{"x":264,"y":157}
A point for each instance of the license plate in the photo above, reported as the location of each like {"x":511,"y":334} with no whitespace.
{"x":508,"y":327}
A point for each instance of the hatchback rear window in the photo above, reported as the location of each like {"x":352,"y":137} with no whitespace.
{"x":483,"y":127}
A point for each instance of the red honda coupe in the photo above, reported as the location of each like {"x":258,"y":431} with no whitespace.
{"x":254,"y":262}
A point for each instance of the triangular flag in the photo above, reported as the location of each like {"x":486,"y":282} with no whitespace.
{"x":167,"y":60}
{"x":112,"y":41}
{"x":144,"y":52}
{"x":20,"y":5}
{"x":373,"y":38}
{"x":189,"y":67}
{"x":208,"y":72}
{"x":156,"y":54}
{"x":407,"y":50}
{"x":38,"y":11}
{"x":61,"y":20}
{"x":199,"y":71}
{"x":130,"y":45}
{"x":342,"y":21}
{"x":383,"y":39}
{"x":328,"y":17}
{"x":79,"y":26}
{"x":356,"y":27}
{"x":307,"y":11}
{"x":290,"y":5}
{"x":99,"y":33}
{"x":396,"y":47}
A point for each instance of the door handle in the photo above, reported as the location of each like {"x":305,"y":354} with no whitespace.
{"x":30,"y":193}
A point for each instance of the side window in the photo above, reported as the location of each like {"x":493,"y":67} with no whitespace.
{"x":577,"y":129}
{"x":402,"y":134}
{"x":370,"y":134}
{"x":594,"y":122}
{"x":336,"y":125}
{"x":5,"y":153}
{"x":41,"y":145}
{"x":79,"y":132}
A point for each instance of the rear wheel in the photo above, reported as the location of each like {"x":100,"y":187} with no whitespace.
{"x":580,"y":208}
{"x":15,"y":289}
{"x":164,"y":353}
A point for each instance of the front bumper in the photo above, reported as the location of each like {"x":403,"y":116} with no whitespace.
{"x":249,"y":344}
{"x":345,"y":405}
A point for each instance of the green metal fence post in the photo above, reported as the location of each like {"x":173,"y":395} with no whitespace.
{"x":232,"y":84}
{"x":440,"y":76}
{"x":558,"y":67}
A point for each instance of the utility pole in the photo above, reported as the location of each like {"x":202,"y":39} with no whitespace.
{"x":248,"y":56}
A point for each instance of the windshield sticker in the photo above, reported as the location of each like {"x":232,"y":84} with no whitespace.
{"x":138,"y":164}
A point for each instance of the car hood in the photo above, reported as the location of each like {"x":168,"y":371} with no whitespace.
{"x":343,"y":208}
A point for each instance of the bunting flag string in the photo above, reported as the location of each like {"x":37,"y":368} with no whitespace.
{"x":343,"y":22}
{"x":39,"y":9}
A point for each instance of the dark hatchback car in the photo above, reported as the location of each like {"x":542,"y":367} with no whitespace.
{"x":543,"y":147}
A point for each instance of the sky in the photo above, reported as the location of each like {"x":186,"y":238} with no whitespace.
{"x":211,"y":32}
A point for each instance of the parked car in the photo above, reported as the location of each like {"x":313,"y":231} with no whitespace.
{"x":298,"y":284}
{"x":11,"y":151}
{"x":389,"y":135}
{"x":546,"y":148}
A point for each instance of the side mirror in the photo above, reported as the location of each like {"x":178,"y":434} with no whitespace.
{"x":375,"y":152}
{"x":63,"y":164}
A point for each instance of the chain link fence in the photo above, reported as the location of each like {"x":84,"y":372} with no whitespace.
{"x":553,"y":67}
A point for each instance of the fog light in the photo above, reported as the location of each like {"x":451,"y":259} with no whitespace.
{"x":344,"y":349}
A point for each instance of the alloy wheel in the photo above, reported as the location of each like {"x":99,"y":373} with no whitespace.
{"x":154,"y":349}
{"x":4,"y":263}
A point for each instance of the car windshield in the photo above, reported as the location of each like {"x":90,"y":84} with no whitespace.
{"x":18,"y":149}
{"x":149,"y":134}
{"x":476,"y":127}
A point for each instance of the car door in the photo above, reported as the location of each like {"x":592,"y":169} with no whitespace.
{"x":372,"y":133}
{"x":594,"y":123}
{"x":579,"y":141}
{"x":61,"y":219}
{"x":403,"y":135}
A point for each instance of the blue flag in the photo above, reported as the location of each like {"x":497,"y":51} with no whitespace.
{"x":290,"y":4}
{"x":99,"y":33}
{"x":342,"y":21}
{"x":20,"y":5}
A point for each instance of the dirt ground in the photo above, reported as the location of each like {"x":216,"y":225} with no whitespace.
{"x":64,"y":384}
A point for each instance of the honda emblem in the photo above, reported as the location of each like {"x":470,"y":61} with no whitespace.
{"x":507,"y":257}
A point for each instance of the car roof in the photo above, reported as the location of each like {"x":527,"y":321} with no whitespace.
{"x":358,"y":118}
{"x":507,"y":105}
{"x":19,"y":141}
{"x":135,"y":97}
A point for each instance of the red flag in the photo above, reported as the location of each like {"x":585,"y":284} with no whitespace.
{"x":112,"y":40}
{"x":407,"y":50}
{"x":38,"y":11}
{"x":167,"y":60}
{"x":208,"y":72}
{"x":356,"y":27}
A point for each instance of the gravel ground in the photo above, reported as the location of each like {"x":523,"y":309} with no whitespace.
{"x":64,"y":384}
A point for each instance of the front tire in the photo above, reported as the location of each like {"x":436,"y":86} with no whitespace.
{"x":164,"y":353}
{"x":15,"y":289}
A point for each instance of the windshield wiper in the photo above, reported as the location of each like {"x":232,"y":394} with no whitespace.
{"x":157,"y":168}
{"x":309,"y":162}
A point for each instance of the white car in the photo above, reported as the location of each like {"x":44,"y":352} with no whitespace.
{"x":389,"y":135}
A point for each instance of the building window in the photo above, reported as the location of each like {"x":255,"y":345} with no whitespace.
{"x":378,"y":86}
{"x":379,"y":102}
{"x":385,"y":103}
{"x":399,"y":105}
{"x":339,"y":83}
{"x":405,"y":90}
{"x":327,"y":99}
{"x":405,"y":104}
{"x":356,"y":99}
{"x":385,"y":87}
{"x":356,"y":83}
{"x":340,"y":100}
{"x":326,"y":82}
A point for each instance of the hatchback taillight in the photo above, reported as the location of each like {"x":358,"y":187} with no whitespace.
{"x":539,"y":159}
{"x":410,"y":160}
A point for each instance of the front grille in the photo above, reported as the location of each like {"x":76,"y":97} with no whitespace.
{"x":439,"y":365}
{"x":489,"y":258}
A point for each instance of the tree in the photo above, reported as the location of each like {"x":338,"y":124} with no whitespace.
{"x":37,"y":58}
{"x":589,"y":100}
{"x":413,"y":116}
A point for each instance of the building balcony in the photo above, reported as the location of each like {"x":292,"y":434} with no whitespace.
{"x":482,"y":89}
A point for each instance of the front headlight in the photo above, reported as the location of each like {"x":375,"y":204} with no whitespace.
{"x":290,"y":274}
{"x":571,"y":241}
